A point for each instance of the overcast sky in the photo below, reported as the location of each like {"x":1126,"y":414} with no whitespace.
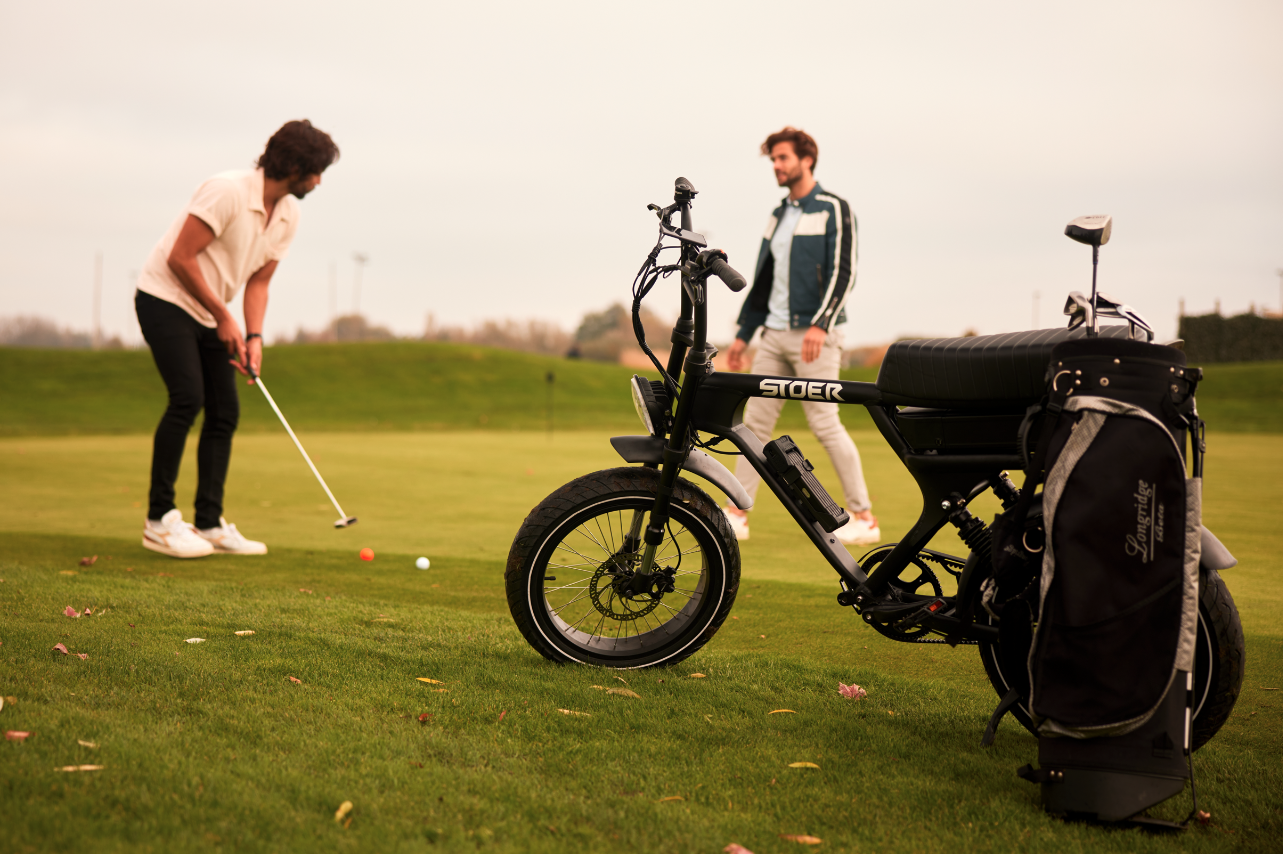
{"x":497,"y":158}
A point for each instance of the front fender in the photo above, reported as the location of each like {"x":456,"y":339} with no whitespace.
{"x":650,"y":449}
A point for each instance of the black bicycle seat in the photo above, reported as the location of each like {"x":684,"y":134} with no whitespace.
{"x":982,"y":371}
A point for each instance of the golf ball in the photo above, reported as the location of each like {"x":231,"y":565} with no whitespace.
{"x":423,"y":563}
{"x":367,"y":554}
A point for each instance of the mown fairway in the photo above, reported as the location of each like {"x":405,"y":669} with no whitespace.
{"x":212,"y":746}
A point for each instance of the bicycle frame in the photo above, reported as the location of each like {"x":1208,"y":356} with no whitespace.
{"x":713,"y":403}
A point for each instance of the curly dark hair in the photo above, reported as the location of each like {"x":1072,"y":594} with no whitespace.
{"x":804,"y":144}
{"x":297,"y":149}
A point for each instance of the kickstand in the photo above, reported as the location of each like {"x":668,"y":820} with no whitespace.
{"x":1004,"y":705}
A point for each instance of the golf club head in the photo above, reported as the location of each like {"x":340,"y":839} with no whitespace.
{"x":345,"y":523}
{"x":1092,"y":230}
{"x":1078,"y":309}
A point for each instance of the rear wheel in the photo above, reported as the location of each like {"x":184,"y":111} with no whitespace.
{"x":572,"y":573}
{"x":1219,"y":655}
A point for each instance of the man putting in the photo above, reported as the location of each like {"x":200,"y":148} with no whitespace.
{"x":232,"y":234}
{"x":805,"y":272}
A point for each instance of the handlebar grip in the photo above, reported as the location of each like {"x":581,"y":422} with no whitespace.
{"x":727,"y":274}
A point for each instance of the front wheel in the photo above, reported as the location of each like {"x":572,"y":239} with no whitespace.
{"x":1219,"y":654}
{"x":572,"y":571}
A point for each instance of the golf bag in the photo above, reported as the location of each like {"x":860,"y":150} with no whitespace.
{"x":1099,"y":590}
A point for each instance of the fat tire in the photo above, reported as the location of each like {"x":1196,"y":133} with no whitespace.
{"x":1220,"y":642}
{"x":615,"y":486}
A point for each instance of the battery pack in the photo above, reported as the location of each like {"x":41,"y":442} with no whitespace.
{"x":784,"y":456}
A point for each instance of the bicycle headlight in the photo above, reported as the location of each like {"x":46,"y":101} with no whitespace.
{"x":651,"y":404}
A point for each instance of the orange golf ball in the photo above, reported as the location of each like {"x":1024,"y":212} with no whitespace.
{"x":367,"y":554}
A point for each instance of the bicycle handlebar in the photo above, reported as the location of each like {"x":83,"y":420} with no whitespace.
{"x":733,"y":280}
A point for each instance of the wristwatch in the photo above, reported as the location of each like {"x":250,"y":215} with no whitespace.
{"x":253,"y":335}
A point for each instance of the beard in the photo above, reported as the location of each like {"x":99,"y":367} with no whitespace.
{"x":299,"y":189}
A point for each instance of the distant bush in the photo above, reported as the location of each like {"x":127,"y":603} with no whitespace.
{"x":527,"y":336}
{"x":38,"y":332}
{"x":603,"y":336}
{"x":1241,"y":338}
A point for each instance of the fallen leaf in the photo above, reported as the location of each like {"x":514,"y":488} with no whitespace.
{"x":195,"y":640}
{"x":89,"y":611}
{"x":763,"y":637}
{"x":801,"y":837}
{"x":501,"y":714}
{"x":804,"y":765}
{"x":70,"y":612}
{"x":347,"y":823}
{"x":343,"y":810}
{"x":735,"y":848}
{"x":782,"y":712}
{"x":670,"y":798}
{"x":852,"y":692}
{"x":441,"y":690}
{"x":578,"y":714}
{"x":89,"y":561}
{"x":10,"y":700}
{"x":425,"y":717}
{"x":14,"y":735}
{"x":383,"y":620}
{"x":429,"y":681}
{"x":81,"y":768}
{"x":598,"y":687}
{"x":305,"y":590}
{"x":83,"y":656}
{"x":244,"y":632}
{"x":60,"y":648}
{"x":698,"y":676}
{"x":621,"y":679}
{"x":1203,"y":817}
{"x":67,"y":572}
{"x":296,"y":681}
{"x":624,"y":692}
{"x":889,"y":712}
{"x":165,"y":574}
{"x":131,"y":625}
{"x":90,"y":744}
{"x":129,"y":569}
{"x":734,"y":618}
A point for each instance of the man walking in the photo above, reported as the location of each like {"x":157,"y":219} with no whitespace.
{"x":805,"y":272}
{"x":232,"y":234}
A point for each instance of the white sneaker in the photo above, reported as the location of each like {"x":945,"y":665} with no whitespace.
{"x":174,"y":537}
{"x":226,"y":540}
{"x":739,"y":524}
{"x":859,"y":532}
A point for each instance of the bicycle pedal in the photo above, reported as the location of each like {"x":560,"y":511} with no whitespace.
{"x":935,"y":606}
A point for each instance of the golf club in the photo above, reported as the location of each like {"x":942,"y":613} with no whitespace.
{"x":344,"y":520}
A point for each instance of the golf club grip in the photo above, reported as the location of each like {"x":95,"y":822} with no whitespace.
{"x":727,"y":274}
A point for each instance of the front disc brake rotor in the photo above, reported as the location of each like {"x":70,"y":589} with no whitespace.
{"x":604,"y":594}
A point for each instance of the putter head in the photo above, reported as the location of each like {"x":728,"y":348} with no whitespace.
{"x":1092,"y":230}
{"x":345,"y":523}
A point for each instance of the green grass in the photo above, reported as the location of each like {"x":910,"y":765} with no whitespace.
{"x":409,"y":386}
{"x":211,"y":747}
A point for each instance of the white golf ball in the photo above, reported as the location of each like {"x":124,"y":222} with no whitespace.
{"x":423,"y":563}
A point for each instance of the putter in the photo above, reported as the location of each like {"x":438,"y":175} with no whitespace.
{"x":344,"y":520}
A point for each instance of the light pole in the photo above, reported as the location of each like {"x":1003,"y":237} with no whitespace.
{"x":360,"y":258}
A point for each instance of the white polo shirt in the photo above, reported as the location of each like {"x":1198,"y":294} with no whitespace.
{"x":231,"y":204}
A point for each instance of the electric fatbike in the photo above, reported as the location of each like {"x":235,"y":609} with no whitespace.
{"x":636,"y":566}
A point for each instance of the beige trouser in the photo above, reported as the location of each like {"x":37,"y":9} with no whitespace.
{"x":780,"y":354}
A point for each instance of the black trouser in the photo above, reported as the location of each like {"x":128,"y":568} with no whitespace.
{"x":194,"y":365}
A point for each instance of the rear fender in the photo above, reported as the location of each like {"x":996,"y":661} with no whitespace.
{"x":650,"y":449}
{"x":1215,"y":555}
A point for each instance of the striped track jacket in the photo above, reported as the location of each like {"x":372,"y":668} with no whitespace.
{"x":821,"y":269}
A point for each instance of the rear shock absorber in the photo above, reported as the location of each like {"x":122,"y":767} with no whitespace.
{"x":974,"y":533}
